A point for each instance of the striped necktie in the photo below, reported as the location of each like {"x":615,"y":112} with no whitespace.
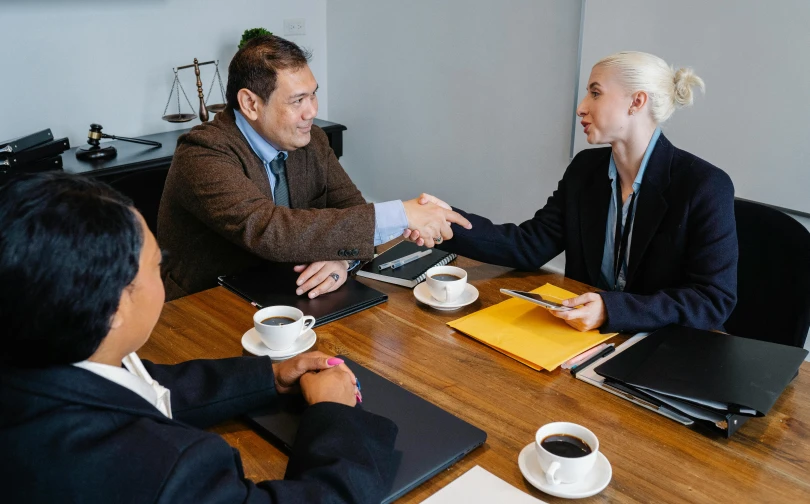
{"x":281,"y":194}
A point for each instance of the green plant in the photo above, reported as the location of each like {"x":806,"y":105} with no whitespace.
{"x":252,"y":33}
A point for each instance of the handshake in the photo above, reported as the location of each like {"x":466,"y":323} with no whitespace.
{"x":429,"y":220}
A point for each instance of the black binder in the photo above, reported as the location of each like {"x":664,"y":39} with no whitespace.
{"x":702,"y":372}
{"x":25,"y":142}
{"x":409,"y":275}
{"x":42,"y":151}
{"x":274,"y":284}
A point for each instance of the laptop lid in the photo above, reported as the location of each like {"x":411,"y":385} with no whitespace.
{"x":274,"y":284}
{"x":429,"y":440}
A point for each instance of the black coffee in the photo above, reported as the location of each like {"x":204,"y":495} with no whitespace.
{"x":565,"y":445}
{"x":278,"y":321}
{"x":445,"y":277}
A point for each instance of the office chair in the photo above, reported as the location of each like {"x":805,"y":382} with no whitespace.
{"x":773,"y":276}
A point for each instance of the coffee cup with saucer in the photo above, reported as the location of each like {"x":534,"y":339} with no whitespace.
{"x":446,"y":288}
{"x":279,"y":332}
{"x":565,"y":461}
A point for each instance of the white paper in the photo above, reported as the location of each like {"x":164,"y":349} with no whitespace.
{"x":479,"y":486}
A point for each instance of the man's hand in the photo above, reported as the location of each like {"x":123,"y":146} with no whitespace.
{"x":431,"y":221}
{"x":591,"y":315}
{"x":332,"y":385}
{"x":319,"y":277}
{"x":289,"y":372}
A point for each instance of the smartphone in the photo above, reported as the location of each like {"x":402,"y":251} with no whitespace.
{"x":549,"y":302}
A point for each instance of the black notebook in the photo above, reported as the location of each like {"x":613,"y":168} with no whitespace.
{"x":411,"y":274}
{"x":703,"y":369}
{"x":274,"y":284}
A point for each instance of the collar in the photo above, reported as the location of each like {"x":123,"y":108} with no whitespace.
{"x":135,"y":378}
{"x":260,"y":146}
{"x":613,"y":171}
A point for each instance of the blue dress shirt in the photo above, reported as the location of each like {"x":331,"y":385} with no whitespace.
{"x":389,"y":217}
{"x":607,"y":279}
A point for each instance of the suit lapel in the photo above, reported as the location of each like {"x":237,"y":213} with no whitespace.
{"x":254,"y":166}
{"x":594,"y":212}
{"x":651,"y":203}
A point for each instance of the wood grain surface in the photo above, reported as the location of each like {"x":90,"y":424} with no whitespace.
{"x":654,"y":459}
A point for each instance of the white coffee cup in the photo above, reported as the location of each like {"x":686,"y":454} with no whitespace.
{"x":559,"y":469}
{"x":281,"y":337}
{"x":446,"y":291}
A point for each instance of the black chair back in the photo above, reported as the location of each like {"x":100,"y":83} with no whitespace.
{"x":773,"y":276}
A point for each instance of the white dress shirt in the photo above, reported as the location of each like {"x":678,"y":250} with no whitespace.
{"x":135,"y":378}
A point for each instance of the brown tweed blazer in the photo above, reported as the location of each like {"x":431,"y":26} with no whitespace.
{"x":217,"y":215}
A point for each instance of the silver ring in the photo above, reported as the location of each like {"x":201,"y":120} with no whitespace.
{"x":438,"y":240}
{"x":335,"y":276}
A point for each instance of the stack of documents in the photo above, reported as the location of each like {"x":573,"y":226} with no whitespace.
{"x":529,"y":333}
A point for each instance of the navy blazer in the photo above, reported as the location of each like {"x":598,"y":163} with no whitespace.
{"x":683,"y":255}
{"x":69,"y":435}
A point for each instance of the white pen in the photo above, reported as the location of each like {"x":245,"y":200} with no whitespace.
{"x":405,"y":260}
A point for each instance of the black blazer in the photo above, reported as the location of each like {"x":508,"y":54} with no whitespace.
{"x":68,"y":435}
{"x":683,"y":254}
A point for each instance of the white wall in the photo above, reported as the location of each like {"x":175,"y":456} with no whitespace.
{"x":471,"y":100}
{"x":69,"y":64}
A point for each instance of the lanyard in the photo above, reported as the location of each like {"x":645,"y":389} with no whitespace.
{"x":622,"y":236}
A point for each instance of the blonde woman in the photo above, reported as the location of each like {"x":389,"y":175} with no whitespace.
{"x":650,"y":224}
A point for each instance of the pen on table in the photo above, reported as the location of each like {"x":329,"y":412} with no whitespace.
{"x":587,"y":354}
{"x":405,"y":260}
{"x":604,"y":353}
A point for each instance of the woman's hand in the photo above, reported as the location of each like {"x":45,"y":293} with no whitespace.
{"x":591,"y":315}
{"x":336,"y":384}
{"x":289,"y":372}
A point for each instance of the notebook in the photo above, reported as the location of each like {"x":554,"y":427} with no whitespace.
{"x":429,"y":440}
{"x":274,"y":284}
{"x":409,"y":275}
{"x":529,"y":333}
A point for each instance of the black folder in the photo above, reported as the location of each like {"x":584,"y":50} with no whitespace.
{"x":728,"y":375}
{"x":274,"y":284}
{"x":36,"y":153}
{"x":25,"y":142}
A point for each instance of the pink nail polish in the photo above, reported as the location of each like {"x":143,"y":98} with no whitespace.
{"x":334,"y":361}
{"x":359,"y":398}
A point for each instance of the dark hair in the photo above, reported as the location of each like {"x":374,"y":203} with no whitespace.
{"x":256,"y":65}
{"x":68,"y":248}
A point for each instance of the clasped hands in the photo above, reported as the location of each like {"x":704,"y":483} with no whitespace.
{"x":429,"y":220}
{"x":319,"y":378}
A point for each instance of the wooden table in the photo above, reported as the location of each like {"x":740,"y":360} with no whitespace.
{"x":653,"y":459}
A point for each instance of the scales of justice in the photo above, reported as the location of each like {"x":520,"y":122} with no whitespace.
{"x":95,"y":151}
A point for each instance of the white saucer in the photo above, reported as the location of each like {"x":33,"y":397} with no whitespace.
{"x":594,"y":482}
{"x":253,"y":344}
{"x":422,"y":293}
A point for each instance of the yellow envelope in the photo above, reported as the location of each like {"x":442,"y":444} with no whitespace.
{"x":529,"y":333}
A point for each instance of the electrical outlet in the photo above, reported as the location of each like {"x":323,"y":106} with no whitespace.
{"x":296,"y":26}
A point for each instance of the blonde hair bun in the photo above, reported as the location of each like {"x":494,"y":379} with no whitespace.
{"x":685,"y":79}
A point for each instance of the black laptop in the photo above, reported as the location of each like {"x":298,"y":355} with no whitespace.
{"x":429,"y":439}
{"x":274,"y":284}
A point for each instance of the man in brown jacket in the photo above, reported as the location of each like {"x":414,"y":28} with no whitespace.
{"x":260,"y":183}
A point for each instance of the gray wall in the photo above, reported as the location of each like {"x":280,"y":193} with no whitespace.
{"x":69,"y":64}
{"x":469,"y":100}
